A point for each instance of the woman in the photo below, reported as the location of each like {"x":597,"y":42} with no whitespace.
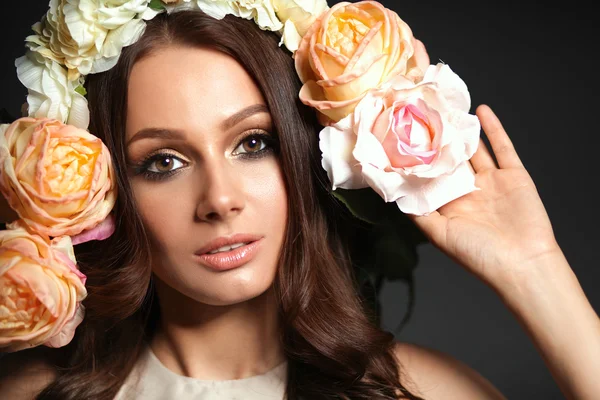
{"x":212,"y":150}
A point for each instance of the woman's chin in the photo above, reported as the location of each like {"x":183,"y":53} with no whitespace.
{"x":229,"y":294}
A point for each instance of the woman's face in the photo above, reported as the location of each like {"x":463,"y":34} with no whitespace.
{"x":204,"y":174}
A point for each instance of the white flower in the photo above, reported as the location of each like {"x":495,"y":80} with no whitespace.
{"x":261,"y":11}
{"x":112,"y":14}
{"x":51,"y":93}
{"x":87,"y":35}
{"x":297,"y":16}
{"x":409,"y":142}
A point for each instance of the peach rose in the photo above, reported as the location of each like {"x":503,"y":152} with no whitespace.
{"x":58,"y":178}
{"x":410,"y":142}
{"x":352,"y":48}
{"x":41,"y":290}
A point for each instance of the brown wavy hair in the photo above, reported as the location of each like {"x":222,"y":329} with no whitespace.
{"x":334,"y":348}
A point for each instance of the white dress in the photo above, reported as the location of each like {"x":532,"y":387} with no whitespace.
{"x":151,"y":380}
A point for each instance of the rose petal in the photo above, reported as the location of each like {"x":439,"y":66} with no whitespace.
{"x":66,"y":334}
{"x":343,"y":170}
{"x":101,"y":231}
{"x":311,"y":95}
{"x":368,"y":150}
{"x":389,"y":185}
{"x":302,"y":55}
{"x":452,"y":88}
{"x":434,"y":193}
{"x":79,"y":114}
{"x":290,"y":37}
{"x":32,"y":276}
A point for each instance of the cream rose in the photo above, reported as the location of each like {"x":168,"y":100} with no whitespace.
{"x":297,"y":16}
{"x":113,"y":14}
{"x":261,"y":11}
{"x":41,"y":290}
{"x":50,"y":93}
{"x":410,"y":142}
{"x":217,"y":9}
{"x":352,"y":48}
{"x":87,"y":35}
{"x":58,"y":178}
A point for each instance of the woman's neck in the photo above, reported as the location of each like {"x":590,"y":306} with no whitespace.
{"x":217,"y":342}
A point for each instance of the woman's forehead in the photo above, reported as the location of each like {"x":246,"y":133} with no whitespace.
{"x":184,"y":86}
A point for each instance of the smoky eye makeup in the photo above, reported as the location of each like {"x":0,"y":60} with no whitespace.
{"x":164,"y":163}
{"x":158,"y":165}
{"x":254,"y":144}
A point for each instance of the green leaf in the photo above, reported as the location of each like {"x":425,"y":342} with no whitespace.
{"x":156,"y":5}
{"x":405,"y":227}
{"x":81,"y":90}
{"x":383,"y":242}
{"x":365,"y":204}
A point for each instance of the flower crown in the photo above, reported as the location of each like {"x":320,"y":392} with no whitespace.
{"x":392,"y":124}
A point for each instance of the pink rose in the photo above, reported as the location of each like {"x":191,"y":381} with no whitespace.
{"x":409,"y":142}
{"x":41,"y":290}
{"x":350,"y":49}
{"x":57,"y":177}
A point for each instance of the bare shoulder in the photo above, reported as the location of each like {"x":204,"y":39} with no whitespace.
{"x":24,"y":374}
{"x":434,"y":375}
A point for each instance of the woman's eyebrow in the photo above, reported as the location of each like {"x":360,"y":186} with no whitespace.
{"x":160,"y":133}
{"x":241,"y":115}
{"x":175,"y":134}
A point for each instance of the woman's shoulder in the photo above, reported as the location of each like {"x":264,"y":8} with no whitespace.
{"x":433,"y":375}
{"x":24,"y":374}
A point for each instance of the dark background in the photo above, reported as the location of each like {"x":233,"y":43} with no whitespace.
{"x":534,"y":66}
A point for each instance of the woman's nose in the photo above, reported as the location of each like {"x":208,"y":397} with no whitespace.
{"x":222,"y":195}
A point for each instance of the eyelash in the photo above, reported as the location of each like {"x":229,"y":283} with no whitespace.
{"x":143,"y":168}
{"x":269,"y":141}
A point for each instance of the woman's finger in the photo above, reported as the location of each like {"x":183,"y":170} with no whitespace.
{"x":482,"y":159}
{"x":432,"y":225}
{"x":501,"y":144}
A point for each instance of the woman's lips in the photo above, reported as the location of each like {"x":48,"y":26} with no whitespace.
{"x":233,"y":258}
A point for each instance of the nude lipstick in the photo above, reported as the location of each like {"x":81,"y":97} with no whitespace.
{"x":226,"y":253}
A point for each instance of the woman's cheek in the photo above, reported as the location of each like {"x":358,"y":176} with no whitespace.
{"x":163,"y":206}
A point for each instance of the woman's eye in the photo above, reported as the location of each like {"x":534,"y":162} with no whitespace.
{"x":164,"y":163}
{"x":251,"y":144}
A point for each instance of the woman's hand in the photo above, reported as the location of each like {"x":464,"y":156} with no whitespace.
{"x":500,"y":230}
